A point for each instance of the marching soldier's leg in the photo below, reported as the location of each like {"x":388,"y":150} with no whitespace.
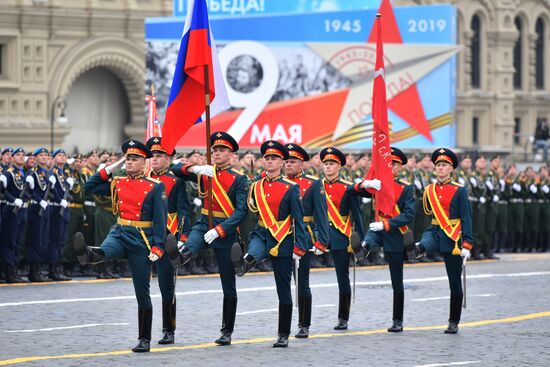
{"x":304,"y":296}
{"x":11,"y":225}
{"x":257,"y":251}
{"x":58,"y":227}
{"x":167,"y":284}
{"x":453,"y":265}
{"x":427,"y":245}
{"x":282,"y":270}
{"x":229,"y":310}
{"x":341,"y":263}
{"x":395,"y":261}
{"x":36,"y":231}
{"x":141,"y":274}
{"x":75,"y":225}
{"x":193,"y":245}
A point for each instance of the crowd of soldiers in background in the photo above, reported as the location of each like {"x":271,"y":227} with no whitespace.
{"x":510,"y":209}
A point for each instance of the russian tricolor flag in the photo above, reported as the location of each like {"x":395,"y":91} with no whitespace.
{"x":186,"y":104}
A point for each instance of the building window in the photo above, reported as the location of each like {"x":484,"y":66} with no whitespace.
{"x":475,"y":130}
{"x":518,"y":47}
{"x":517,"y":129}
{"x":539,"y":54}
{"x":2,"y":59}
{"x":475,"y":51}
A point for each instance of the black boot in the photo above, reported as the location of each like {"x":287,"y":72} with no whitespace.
{"x":84,"y":253}
{"x":168,"y":322}
{"x":103,"y":271}
{"x":285,"y":319}
{"x":455,"y":313}
{"x":35,"y":274}
{"x":304,"y":317}
{"x":56,"y":273}
{"x":241,"y":265}
{"x":177,"y":257}
{"x":12,"y":276}
{"x":362,"y":251}
{"x":398,"y":301}
{"x":228,"y":320}
{"x":343,"y":311}
{"x":145,"y":320}
{"x":417,"y":249}
{"x":210,"y":265}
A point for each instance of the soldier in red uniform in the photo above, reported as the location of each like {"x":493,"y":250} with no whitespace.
{"x":343,"y":212}
{"x":178,"y":225}
{"x":140,"y":232}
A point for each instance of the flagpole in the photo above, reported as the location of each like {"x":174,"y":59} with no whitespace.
{"x":376,"y":216}
{"x":208,"y":145}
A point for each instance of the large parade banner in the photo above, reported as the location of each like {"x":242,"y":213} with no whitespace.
{"x":307,"y":78}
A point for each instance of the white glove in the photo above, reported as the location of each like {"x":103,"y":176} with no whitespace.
{"x":210,"y":236}
{"x":376,"y":226}
{"x":489,"y":184}
{"x":516,"y":187}
{"x":52,"y":179}
{"x":372,"y":184}
{"x":70,"y":182}
{"x":461,"y":180}
{"x":43,"y":204}
{"x":115,"y":166}
{"x":316,"y":251}
{"x":495,"y":198}
{"x":533,"y":188}
{"x":366,"y":200}
{"x":4,"y":180}
{"x":197,"y":202}
{"x":473,"y":181}
{"x":418,"y":184}
{"x":296,"y":258}
{"x":202,"y":170}
{"x":153,"y":257}
{"x":101,"y":166}
{"x":64,"y":203}
{"x":358,"y":180}
{"x":176,"y":161}
{"x":29,"y":180}
{"x":70,"y":161}
{"x":465,"y":253}
{"x":18,"y":203}
{"x":545,"y":189}
{"x":502,"y":184}
{"x":180,"y":245}
{"x":482,"y":200}
{"x":433,"y":180}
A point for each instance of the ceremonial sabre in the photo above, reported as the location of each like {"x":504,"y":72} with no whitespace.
{"x":296,"y":265}
{"x":464,"y":280}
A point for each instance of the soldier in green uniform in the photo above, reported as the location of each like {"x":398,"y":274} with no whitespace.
{"x":516,"y":211}
{"x":76,"y":214}
{"x":92,"y":163}
{"x":531,"y":210}
{"x":478,"y":199}
{"x":423,"y":176}
{"x":544,"y":203}
{"x":505,"y":194}
{"x":493,"y":197}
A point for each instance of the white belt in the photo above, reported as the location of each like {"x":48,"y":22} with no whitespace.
{"x":528,"y":201}
{"x":516,"y":200}
{"x":473,"y":199}
{"x":25,"y":205}
{"x":89,"y":203}
{"x":53,"y":204}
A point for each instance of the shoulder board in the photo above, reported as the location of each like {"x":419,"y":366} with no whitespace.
{"x":346,"y":182}
{"x":289,"y":181}
{"x":233,"y":170}
{"x":454,"y":183}
{"x":153,"y":180}
{"x":10,"y":169}
{"x":404,"y":182}
{"x":311,"y":177}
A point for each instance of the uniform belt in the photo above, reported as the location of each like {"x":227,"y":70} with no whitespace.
{"x":308,"y":219}
{"x":76,"y":205}
{"x":528,"y":201}
{"x":215,"y":213}
{"x":25,"y":205}
{"x":501,"y":202}
{"x":262,"y":224}
{"x":473,"y":199}
{"x":53,"y":204}
{"x":452,"y":221}
{"x":89,"y":203}
{"x":516,"y":200}
{"x":135,"y":223}
{"x":541,"y":201}
{"x":34,"y":202}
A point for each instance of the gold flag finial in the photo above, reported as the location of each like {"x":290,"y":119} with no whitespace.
{"x":153,"y":89}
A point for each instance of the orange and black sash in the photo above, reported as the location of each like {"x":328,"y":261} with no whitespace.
{"x":221,"y":196}
{"x":344,"y":226}
{"x":279,"y":230}
{"x":452,"y":231}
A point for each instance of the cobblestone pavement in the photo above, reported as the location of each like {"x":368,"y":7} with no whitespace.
{"x":94,"y":323}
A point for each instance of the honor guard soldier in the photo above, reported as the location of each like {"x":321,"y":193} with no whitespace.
{"x":316,"y":222}
{"x":140,"y":232}
{"x":5,"y":162}
{"x":343,"y":212}
{"x":178,"y":224}
{"x":390,"y":232}
{"x":278,"y":204}
{"x":92,"y":164}
{"x":38,"y":214}
{"x":229,"y":193}
{"x":16,"y":195}
{"x":451,"y":228}
{"x":59,"y":214}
